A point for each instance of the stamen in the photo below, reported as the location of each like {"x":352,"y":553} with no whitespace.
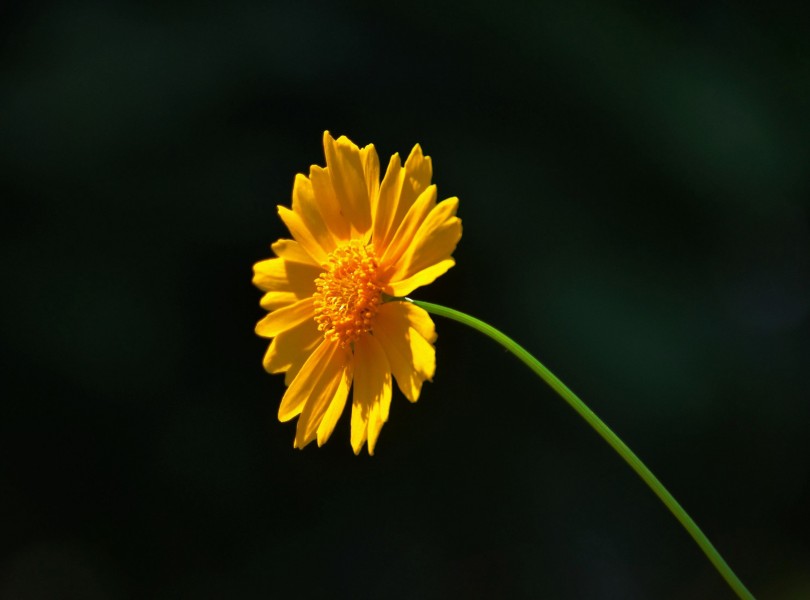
{"x":348,"y":293}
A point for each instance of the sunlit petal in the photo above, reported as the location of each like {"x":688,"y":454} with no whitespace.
{"x":433,"y":243}
{"x":345,"y":165}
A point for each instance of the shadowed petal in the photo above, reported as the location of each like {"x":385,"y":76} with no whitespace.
{"x":319,"y":373}
{"x":285,"y":318}
{"x":332,"y":414}
{"x":328,"y":203}
{"x":423,"y":277}
{"x":281,"y":275}
{"x":371,"y":169}
{"x":418,"y":173}
{"x":304,"y":204}
{"x":411,"y":357}
{"x":321,"y":388}
{"x":419,"y":319}
{"x":372,"y":392}
{"x":291,"y":348}
{"x":299,"y":230}
{"x":361,"y":409}
{"x":275,"y":300}
{"x":432,"y":244}
{"x":390,"y":190}
{"x":291,"y":251}
{"x":404,"y":236}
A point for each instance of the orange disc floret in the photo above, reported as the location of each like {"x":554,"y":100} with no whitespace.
{"x":348,"y":293}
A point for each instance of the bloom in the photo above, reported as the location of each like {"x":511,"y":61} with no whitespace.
{"x":357,"y":242}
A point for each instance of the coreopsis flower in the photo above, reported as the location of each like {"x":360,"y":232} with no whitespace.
{"x":358,"y":243}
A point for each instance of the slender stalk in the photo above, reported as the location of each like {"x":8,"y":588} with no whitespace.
{"x":607,"y":434}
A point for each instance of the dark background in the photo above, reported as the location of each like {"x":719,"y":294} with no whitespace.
{"x":633,"y":182}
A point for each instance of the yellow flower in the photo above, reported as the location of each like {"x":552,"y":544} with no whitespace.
{"x":356,"y":242}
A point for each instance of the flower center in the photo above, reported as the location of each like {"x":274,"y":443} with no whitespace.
{"x":347,"y":293}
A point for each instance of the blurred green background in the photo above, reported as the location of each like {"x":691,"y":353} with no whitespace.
{"x":634,"y":190}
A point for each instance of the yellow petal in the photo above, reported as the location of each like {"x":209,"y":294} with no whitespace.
{"x":281,"y":275}
{"x":371,"y":170}
{"x":291,"y":348}
{"x":328,"y":203}
{"x":418,"y":173}
{"x":286,"y":318}
{"x":292,"y":251}
{"x":305,"y":206}
{"x":320,"y":371}
{"x":375,"y":424}
{"x":291,"y":373}
{"x":322,"y":388}
{"x":387,"y":203}
{"x":348,"y":179}
{"x":418,"y":318}
{"x":360,"y":415}
{"x":409,"y":226}
{"x":274,"y":300}
{"x":372,"y":392}
{"x":303,"y":235}
{"x":332,"y":414}
{"x":434,"y":242}
{"x":411,"y":357}
{"x":423,"y":277}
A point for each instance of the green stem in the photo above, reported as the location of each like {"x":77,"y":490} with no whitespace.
{"x":607,"y":434}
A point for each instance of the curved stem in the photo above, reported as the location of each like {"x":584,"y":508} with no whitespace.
{"x":603,"y":430}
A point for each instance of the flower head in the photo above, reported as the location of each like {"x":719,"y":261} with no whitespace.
{"x":357,"y":242}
